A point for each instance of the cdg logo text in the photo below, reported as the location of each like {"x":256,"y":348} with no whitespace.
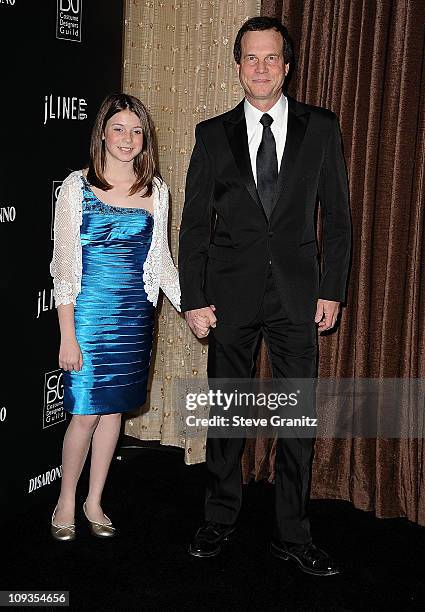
{"x":54,"y":388}
{"x":70,"y":5}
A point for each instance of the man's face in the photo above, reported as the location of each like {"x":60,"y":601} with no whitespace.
{"x":262,"y":69}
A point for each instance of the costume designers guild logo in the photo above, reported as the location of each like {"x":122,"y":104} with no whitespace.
{"x":7,"y":214}
{"x":64,"y":107}
{"x":56,"y":185}
{"x":53,"y":412}
{"x":68,"y":20}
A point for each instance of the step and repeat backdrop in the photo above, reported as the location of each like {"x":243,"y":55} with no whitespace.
{"x":59,"y":58}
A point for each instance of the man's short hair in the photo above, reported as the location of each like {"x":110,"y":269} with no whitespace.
{"x":256,"y":24}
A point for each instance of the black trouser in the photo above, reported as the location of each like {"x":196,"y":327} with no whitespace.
{"x":231,"y":354}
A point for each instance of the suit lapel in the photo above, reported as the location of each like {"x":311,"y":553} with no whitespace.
{"x":297,"y":123}
{"x":236,"y":132}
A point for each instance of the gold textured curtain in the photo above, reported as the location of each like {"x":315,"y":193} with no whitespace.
{"x":365,"y":61}
{"x":178,"y":59}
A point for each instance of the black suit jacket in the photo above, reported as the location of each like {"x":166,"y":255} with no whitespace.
{"x":226,"y":240}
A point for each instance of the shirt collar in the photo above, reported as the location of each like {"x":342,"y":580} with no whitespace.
{"x":253,"y":115}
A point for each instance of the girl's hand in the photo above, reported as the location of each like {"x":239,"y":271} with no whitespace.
{"x":70,"y":356}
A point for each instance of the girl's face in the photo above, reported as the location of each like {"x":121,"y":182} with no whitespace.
{"x":123,"y":136}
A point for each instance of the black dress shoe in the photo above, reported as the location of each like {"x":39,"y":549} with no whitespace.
{"x":209,"y":538}
{"x":309,"y":558}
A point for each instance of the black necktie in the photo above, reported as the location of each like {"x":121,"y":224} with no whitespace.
{"x":267,"y":165}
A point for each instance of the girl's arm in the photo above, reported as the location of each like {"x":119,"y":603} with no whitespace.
{"x":169,"y":279}
{"x":65,"y":270}
{"x":70,"y":356}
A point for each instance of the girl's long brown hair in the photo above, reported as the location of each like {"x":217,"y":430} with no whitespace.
{"x":145,"y":164}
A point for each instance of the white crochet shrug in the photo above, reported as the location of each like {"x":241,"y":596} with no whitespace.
{"x":66,"y":266}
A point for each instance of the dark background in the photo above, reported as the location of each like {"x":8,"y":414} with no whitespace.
{"x":35,"y":64}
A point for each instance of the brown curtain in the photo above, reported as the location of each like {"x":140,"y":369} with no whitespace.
{"x":365,"y":61}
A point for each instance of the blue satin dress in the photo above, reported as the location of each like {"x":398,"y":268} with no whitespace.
{"x":113,"y":318}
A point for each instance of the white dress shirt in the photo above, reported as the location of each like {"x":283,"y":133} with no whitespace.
{"x":279,"y":113}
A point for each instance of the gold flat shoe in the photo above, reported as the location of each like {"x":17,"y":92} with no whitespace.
{"x":100,"y":530}
{"x":62,"y":533}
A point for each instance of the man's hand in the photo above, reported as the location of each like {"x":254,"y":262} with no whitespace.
{"x":326,"y":314}
{"x":200,"y":320}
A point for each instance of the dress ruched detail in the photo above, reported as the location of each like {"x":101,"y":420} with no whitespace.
{"x":113,"y":318}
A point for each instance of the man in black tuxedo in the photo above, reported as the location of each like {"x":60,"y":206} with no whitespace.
{"x":248,"y":263}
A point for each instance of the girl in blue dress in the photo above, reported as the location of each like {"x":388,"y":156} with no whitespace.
{"x":110,"y":259}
